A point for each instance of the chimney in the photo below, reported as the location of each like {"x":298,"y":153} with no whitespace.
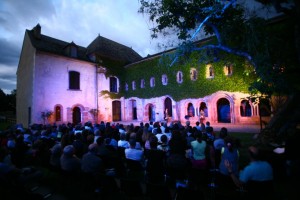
{"x":37,"y":31}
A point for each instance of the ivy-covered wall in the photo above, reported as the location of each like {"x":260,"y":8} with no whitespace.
{"x":239,"y":81}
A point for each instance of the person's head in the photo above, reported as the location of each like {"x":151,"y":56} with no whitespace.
{"x":69,"y":150}
{"x":187,"y":123}
{"x":198,"y":135}
{"x":254,"y":153}
{"x":223,"y":132}
{"x":197,"y":123}
{"x":132,"y":142}
{"x":230,"y":142}
{"x":153,"y":142}
{"x":93,"y":148}
{"x":164,"y":139}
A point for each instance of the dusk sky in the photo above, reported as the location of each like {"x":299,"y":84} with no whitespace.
{"x":80,"y":21}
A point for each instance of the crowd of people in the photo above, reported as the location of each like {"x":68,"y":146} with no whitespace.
{"x":156,"y":152}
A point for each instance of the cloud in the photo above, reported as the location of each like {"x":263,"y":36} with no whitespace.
{"x":8,"y":78}
{"x":79,"y":21}
{"x":9,"y":52}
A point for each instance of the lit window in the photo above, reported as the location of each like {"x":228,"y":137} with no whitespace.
{"x":210,"y":71}
{"x":57,"y":113}
{"x":194,"y":74}
{"x":133,"y":85}
{"x":228,"y":70}
{"x":164,"y":79}
{"x":179,"y":77}
{"x":126,"y":87}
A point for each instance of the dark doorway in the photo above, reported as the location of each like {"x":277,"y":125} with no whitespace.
{"x":134,"y":110}
{"x":76,"y":115}
{"x":116,"y":110}
{"x":223,"y":106}
{"x":151,"y":113}
{"x":168,"y":108}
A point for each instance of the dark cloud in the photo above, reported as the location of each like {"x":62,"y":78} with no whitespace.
{"x":19,"y":13}
{"x":8,"y":77}
{"x":9,"y":52}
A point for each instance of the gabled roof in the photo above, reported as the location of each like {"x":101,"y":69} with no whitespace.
{"x":100,"y":46}
{"x":51,"y":45}
{"x":113,"y":50}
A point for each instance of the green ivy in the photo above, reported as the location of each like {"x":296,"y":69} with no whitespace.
{"x":239,"y":81}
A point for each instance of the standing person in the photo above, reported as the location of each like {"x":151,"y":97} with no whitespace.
{"x":257,"y":176}
{"x":198,"y":148}
{"x":229,"y":153}
{"x":219,"y":143}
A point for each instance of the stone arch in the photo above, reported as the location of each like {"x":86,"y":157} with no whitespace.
{"x":58,"y":113}
{"x":223,"y":110}
{"x":149,"y":112}
{"x":168,"y":108}
{"x":77,"y":113}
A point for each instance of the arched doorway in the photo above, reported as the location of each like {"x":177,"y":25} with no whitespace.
{"x":116,"y":110}
{"x":190,"y":110}
{"x":57,"y":113}
{"x":223,"y":106}
{"x":151,"y":113}
{"x":134,"y":109}
{"x":168,"y":108}
{"x":245,"y":109}
{"x":76,"y":115}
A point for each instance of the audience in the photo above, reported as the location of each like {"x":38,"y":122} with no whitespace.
{"x":160,"y":148}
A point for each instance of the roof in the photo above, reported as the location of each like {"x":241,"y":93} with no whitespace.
{"x":51,"y":45}
{"x":112,"y":49}
{"x":101,"y":46}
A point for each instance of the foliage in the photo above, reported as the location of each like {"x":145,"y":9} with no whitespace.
{"x":8,"y":101}
{"x":46,"y":114}
{"x":202,"y":86}
{"x":265,"y":46}
{"x":111,"y":95}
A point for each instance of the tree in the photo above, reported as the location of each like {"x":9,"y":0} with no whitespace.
{"x":269,"y":48}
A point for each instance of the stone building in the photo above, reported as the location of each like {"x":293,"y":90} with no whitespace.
{"x":107,"y":81}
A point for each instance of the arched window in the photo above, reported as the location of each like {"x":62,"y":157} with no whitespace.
{"x":133,"y":85}
{"x":113,"y":84}
{"x":126,"y":87}
{"x":190,"y":110}
{"x":152,"y":82}
{"x":194,"y":74}
{"x":228,"y":69}
{"x":164,"y":79}
{"x":210,"y":71}
{"x":179,"y":77}
{"x":58,"y":113}
{"x":245,"y":109}
{"x":74,"y":80}
{"x":142,"y":83}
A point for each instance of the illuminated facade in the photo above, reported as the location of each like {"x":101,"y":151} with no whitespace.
{"x":64,"y":79}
